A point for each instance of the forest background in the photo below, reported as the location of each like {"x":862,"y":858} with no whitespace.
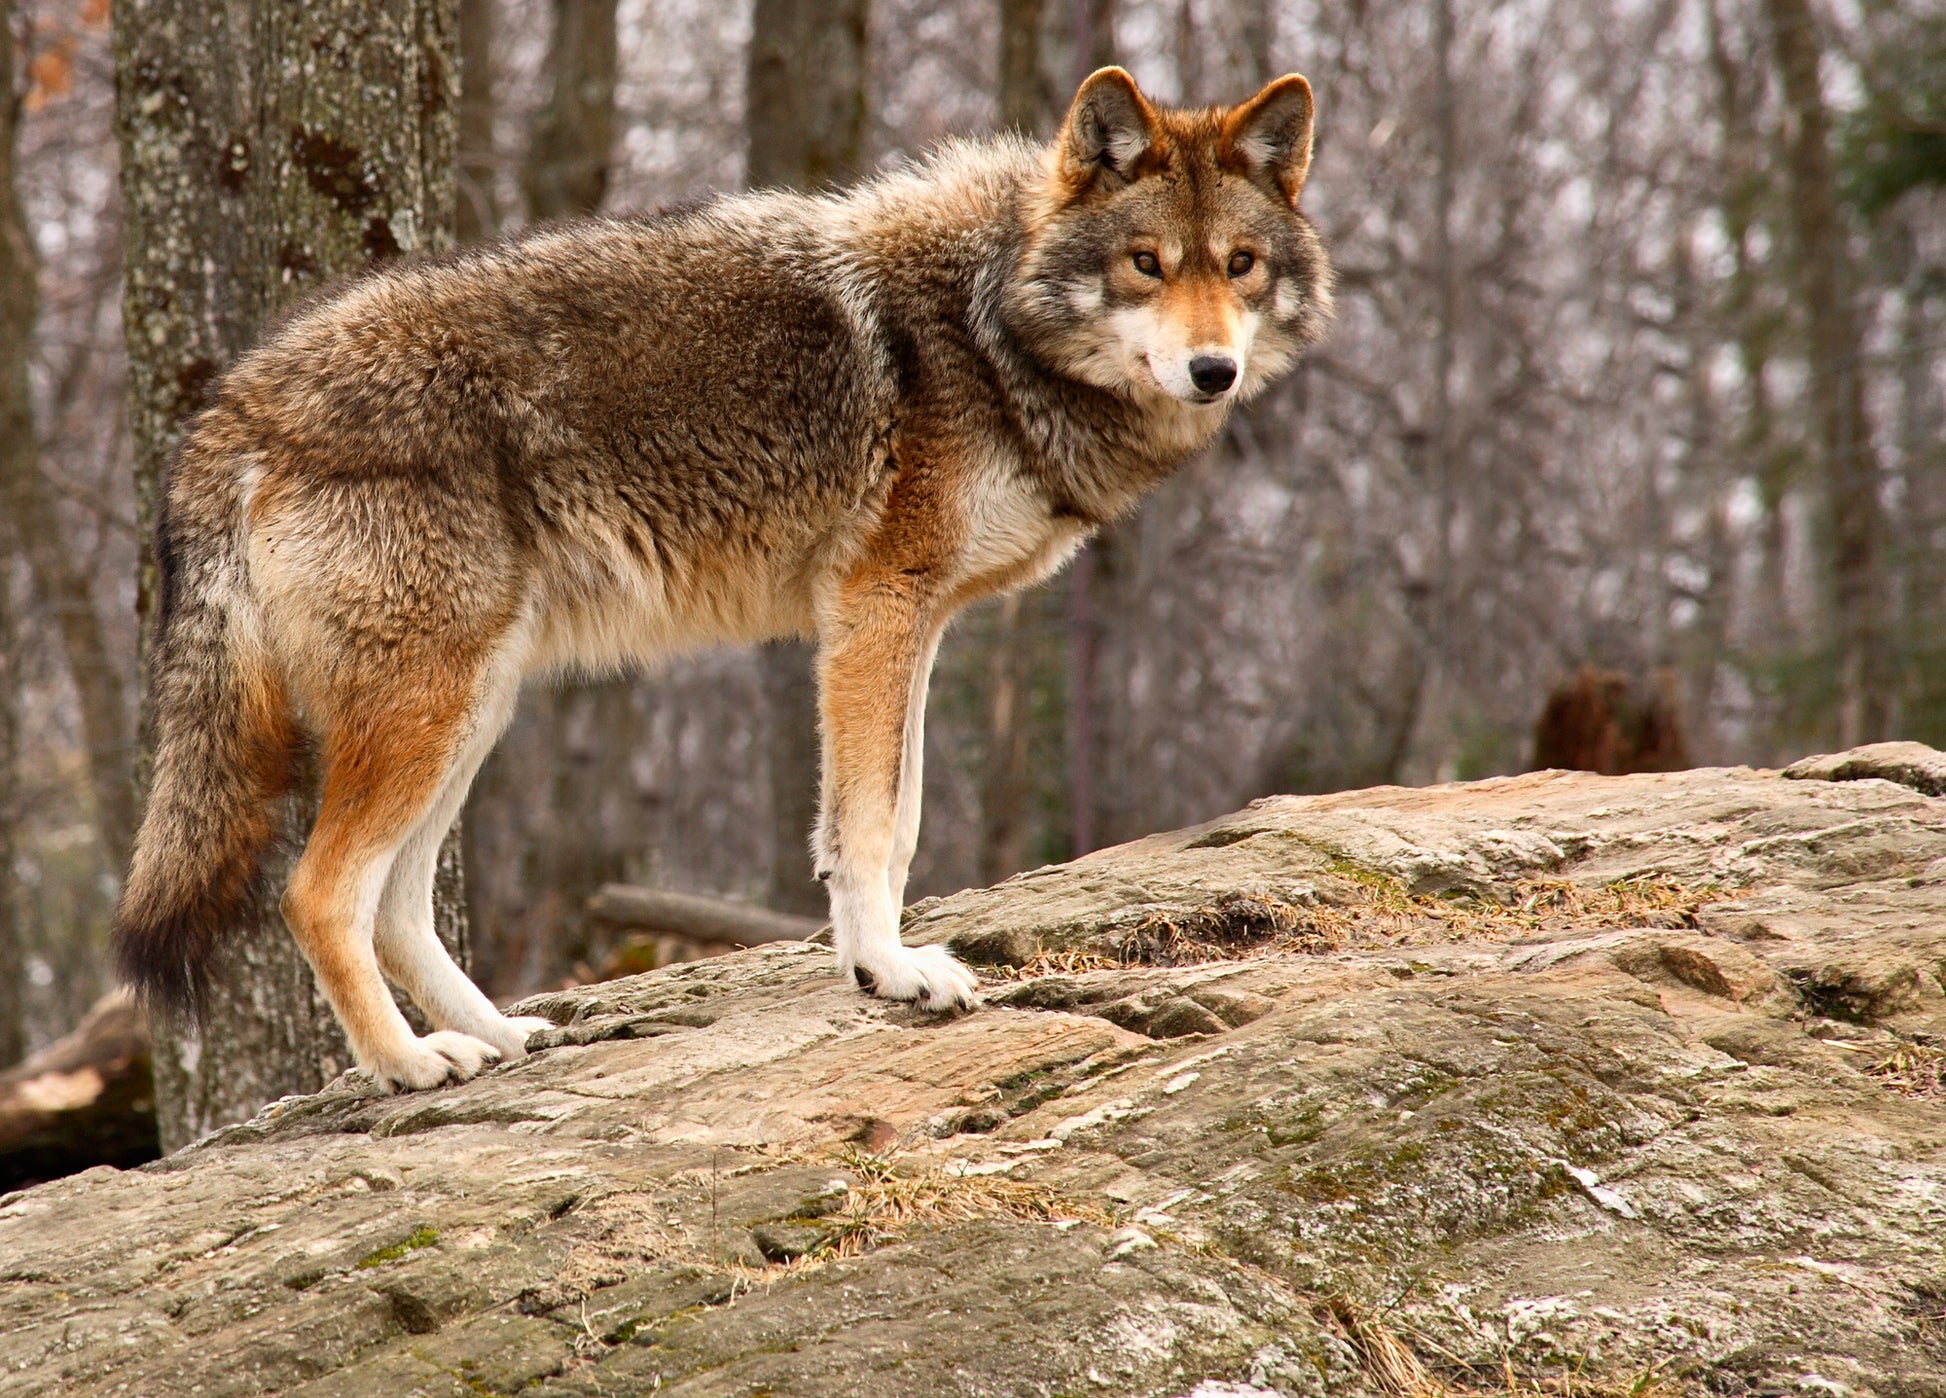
{"x":1640,"y":364}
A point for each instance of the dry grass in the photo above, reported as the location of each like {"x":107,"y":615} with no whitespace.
{"x":1917,"y":1070}
{"x":618,"y":1234}
{"x":1366,"y":908}
{"x":890,"y":1198}
{"x":1397,"y":1370}
{"x":1055,"y":963}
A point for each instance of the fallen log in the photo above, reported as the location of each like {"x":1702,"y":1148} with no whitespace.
{"x":86,"y":1099}
{"x":696,"y":917}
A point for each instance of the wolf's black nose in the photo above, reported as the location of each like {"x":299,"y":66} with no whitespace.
{"x":1212,"y":373}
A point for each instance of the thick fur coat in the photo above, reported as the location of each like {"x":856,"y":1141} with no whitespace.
{"x":839,"y":416}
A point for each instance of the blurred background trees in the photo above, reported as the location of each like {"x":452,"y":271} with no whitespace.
{"x":1638,"y":370}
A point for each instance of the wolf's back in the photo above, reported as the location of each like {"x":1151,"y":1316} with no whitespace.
{"x":225,"y":748}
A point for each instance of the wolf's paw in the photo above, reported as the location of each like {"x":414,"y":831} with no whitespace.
{"x":447,"y":1056}
{"x":928,"y":975}
{"x":511,"y":1033}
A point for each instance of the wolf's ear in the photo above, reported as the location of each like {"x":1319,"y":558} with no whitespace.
{"x":1269,"y":137}
{"x":1109,"y":129}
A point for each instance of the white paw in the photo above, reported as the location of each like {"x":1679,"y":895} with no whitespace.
{"x":447,"y":1056}
{"x":927,"y":975}
{"x":510,"y":1034}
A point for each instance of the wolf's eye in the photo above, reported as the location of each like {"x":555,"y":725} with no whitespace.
{"x":1146,"y":264}
{"x":1241,"y":263}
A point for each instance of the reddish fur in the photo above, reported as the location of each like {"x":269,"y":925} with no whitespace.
{"x":385,"y":761}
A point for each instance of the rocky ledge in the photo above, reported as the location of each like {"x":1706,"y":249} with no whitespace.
{"x":1550,"y":1083}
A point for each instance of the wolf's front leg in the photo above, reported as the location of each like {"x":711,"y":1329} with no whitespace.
{"x":912,"y":772}
{"x":879,"y":637}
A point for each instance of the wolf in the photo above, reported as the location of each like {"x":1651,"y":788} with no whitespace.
{"x":842,"y":416}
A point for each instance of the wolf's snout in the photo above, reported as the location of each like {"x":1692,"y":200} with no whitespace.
{"x":1212,"y":373}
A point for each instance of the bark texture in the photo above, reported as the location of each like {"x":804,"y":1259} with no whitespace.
{"x":266,"y":149}
{"x":1836,"y":350}
{"x":806,"y":122}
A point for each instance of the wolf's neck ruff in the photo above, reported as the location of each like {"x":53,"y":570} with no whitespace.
{"x":841,"y":416}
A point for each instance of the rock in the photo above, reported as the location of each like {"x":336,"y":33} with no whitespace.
{"x":1909,"y":764}
{"x":1559,"y":1077}
{"x":1710,"y":964}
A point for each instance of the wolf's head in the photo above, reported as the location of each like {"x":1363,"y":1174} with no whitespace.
{"x":1165,"y":251}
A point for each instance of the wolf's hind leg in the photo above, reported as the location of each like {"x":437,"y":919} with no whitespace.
{"x":404,"y":936}
{"x":387,"y":756}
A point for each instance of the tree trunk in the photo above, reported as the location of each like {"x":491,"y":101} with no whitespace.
{"x":1079,"y":715}
{"x":265,"y":149}
{"x":567,"y":159}
{"x":806,"y":96}
{"x":1094,"y":47}
{"x":1744,"y":195}
{"x":564,"y":175}
{"x":1094,"y":36}
{"x":1257,"y":25}
{"x":1004,"y":787}
{"x":479,"y":201}
{"x":1023,"y":96}
{"x":1836,"y":352}
{"x":100,"y":688}
{"x":17,"y":308}
{"x":805,"y":117}
{"x":1003,"y":780}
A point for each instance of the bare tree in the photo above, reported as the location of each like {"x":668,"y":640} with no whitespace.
{"x":479,"y":201}
{"x":1836,"y":351}
{"x":1004,"y":786}
{"x":17,"y":308}
{"x":806,"y":122}
{"x":35,"y":527}
{"x":265,"y":149}
{"x":1023,"y":93}
{"x":567,"y":158}
{"x":806,"y":99}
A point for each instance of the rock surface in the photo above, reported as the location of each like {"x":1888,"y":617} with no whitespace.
{"x":1610,"y":1084}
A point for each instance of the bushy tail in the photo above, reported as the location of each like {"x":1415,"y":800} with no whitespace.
{"x":226,"y":750}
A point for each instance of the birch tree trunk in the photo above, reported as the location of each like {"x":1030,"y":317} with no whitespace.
{"x":266,"y":149}
{"x":1836,"y":351}
{"x":806,"y":124}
